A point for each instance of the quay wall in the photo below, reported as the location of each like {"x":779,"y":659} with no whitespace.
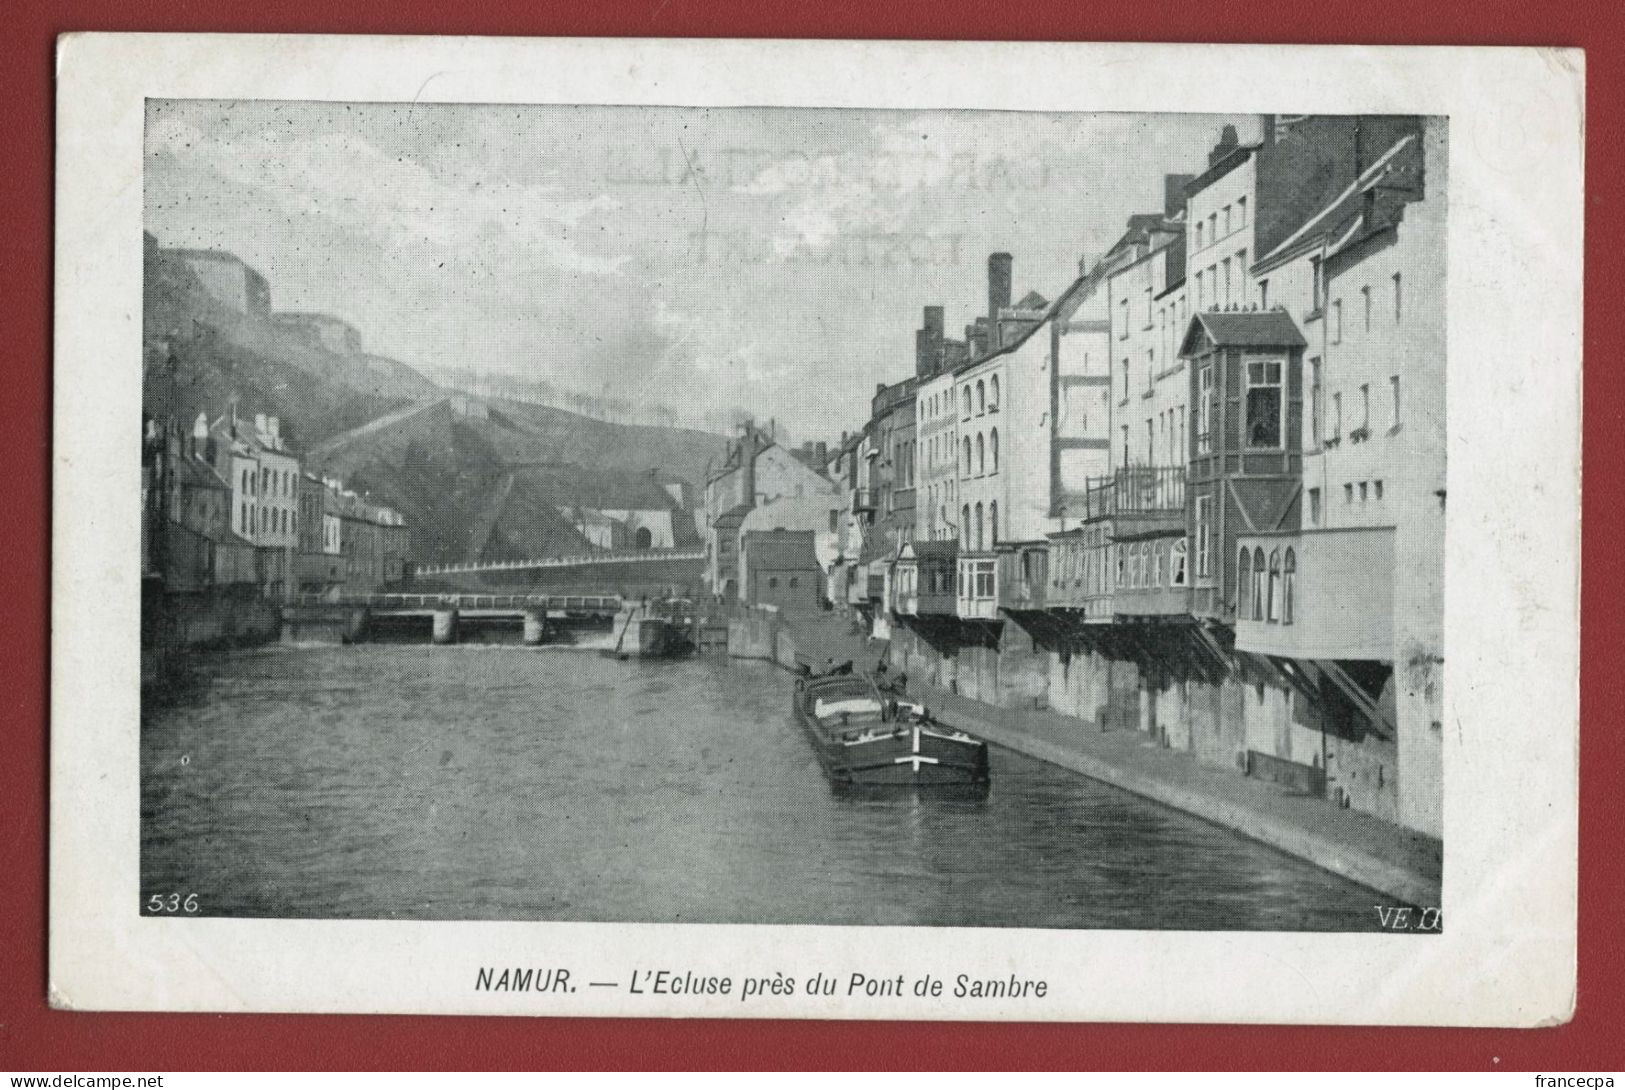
{"x":1231,"y":714}
{"x":175,"y":624}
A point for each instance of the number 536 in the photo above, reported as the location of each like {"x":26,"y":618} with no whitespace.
{"x":160,"y":904}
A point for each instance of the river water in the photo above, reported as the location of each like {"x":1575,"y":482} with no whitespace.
{"x":501,"y":782}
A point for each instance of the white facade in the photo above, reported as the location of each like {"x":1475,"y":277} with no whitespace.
{"x":1151,"y":389}
{"x":936,"y":497}
{"x":1219,"y":223}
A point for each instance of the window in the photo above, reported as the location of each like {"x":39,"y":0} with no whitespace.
{"x":1227,"y":227}
{"x":1273,"y":592}
{"x":1204,"y":409}
{"x":1337,"y":322}
{"x":1264,"y":403}
{"x":1348,"y":494}
{"x":1125,"y":445}
{"x":1314,"y":507}
{"x":993,"y":443}
{"x":773,"y":582}
{"x":993,"y":394}
{"x":964,"y":527}
{"x":966,"y":399}
{"x":981,"y":397}
{"x":1122,"y":564}
{"x":1263,"y":295}
{"x":967,"y":456}
{"x":1126,"y":378}
{"x":1377,"y":488}
{"x":1150,"y":443}
{"x":1204,"y":519}
{"x":1199,"y":295}
{"x":1150,"y":369}
{"x":1213,"y":227}
{"x":1363,"y":491}
{"x":1314,"y":401}
{"x":1365,"y":405}
{"x":1241,"y":211}
{"x":1258,"y":584}
{"x":1398,"y":297}
{"x":1289,"y":573}
{"x":979,"y":539}
{"x":1337,"y":416}
{"x":1176,"y":564}
{"x":1365,"y":304}
{"x":1244,"y":580}
{"x":1225,"y":265}
{"x":1393,"y":387}
{"x":1317,"y":286}
{"x":981,"y":455}
{"x":993,"y":523}
{"x":1198,"y":236}
{"x":1122,"y":310}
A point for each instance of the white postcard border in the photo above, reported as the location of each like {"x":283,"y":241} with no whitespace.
{"x":1511,"y":704}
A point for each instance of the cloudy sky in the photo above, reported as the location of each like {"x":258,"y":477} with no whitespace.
{"x":769,"y":259}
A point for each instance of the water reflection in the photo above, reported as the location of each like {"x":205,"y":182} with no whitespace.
{"x":504,"y":782}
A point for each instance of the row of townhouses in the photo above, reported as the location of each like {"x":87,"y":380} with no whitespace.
{"x":227,"y":506}
{"x":1200,"y":493}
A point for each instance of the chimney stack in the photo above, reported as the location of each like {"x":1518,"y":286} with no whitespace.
{"x":1173,"y":193}
{"x":1266,"y":122}
{"x":1228,"y":143}
{"x":928,"y":344}
{"x":998,"y":295}
{"x":259,"y":424}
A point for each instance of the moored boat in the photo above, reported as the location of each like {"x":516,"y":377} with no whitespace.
{"x":862,"y":736}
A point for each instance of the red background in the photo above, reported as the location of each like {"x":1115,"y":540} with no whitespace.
{"x":33,"y":1037}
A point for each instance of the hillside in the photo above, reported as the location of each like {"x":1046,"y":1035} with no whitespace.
{"x":198,"y":354}
{"x":489,"y":488}
{"x":481,"y":485}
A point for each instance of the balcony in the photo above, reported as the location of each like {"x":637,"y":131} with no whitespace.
{"x":1080,"y":573}
{"x":1024,"y":578}
{"x":937,"y":561}
{"x":978,"y":587}
{"x":1316,"y":594}
{"x":865,"y":499}
{"x":1153,"y":578}
{"x":1141,"y":499}
{"x":905,"y":587}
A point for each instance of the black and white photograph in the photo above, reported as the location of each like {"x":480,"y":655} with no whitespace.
{"x":924,"y":523}
{"x":793,"y":516}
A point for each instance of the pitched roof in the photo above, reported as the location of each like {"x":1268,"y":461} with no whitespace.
{"x":1242,"y":329}
{"x":1397,"y":169}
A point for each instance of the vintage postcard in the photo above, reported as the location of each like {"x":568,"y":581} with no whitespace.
{"x":826,"y":530}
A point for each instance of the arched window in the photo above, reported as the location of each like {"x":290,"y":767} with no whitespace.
{"x":1258,"y":584}
{"x":1273,"y":592}
{"x":993,"y":394}
{"x":993,"y":523}
{"x":967,"y":456}
{"x":1288,"y":572}
{"x":981,"y":397}
{"x":1244,"y":581}
{"x":979,"y":538}
{"x":981,"y":455}
{"x":1176,"y":564}
{"x":1160,"y":571}
{"x":966,"y":400}
{"x":1122,"y":563}
{"x":964,"y":527}
{"x":993,"y":444}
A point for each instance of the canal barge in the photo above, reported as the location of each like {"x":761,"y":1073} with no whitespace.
{"x":652,"y":630}
{"x":862,"y":737}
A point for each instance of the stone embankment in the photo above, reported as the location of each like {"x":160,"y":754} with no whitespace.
{"x":1398,"y":864}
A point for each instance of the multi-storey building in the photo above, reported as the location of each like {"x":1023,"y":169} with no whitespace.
{"x":1349,"y":602}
